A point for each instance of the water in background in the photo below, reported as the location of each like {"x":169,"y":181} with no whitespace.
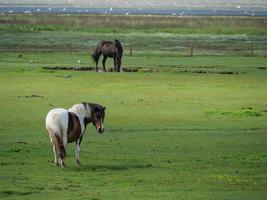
{"x":127,"y":11}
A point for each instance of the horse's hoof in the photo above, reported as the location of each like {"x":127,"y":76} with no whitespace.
{"x":78,"y":163}
{"x":56,"y":164}
{"x":62,"y":164}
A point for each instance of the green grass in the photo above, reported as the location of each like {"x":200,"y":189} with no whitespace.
{"x":142,"y":41}
{"x":169,"y":135}
{"x":194,"y":128}
{"x":163,"y":62}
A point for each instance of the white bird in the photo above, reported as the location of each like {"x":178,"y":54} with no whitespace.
{"x":27,"y":12}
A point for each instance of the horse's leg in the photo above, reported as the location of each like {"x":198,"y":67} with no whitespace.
{"x":104,"y":62}
{"x":56,"y":155}
{"x":119,"y":65}
{"x":118,"y":62}
{"x":77,"y":152}
{"x":62,"y":161}
{"x":115,"y":64}
{"x":62,"y":148}
{"x":96,"y":65}
{"x":54,"y":147}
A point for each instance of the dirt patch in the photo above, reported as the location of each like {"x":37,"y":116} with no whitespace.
{"x":142,"y":69}
{"x":32,"y":96}
{"x":207,"y":72}
{"x":262,"y":68}
{"x":124,"y":69}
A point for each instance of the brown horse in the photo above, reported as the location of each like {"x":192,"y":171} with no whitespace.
{"x":109,"y":49}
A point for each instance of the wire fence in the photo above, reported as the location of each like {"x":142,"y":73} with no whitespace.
{"x":189,"y":48}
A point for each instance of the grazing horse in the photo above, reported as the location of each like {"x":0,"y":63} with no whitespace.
{"x":66,"y":126}
{"x":109,"y":49}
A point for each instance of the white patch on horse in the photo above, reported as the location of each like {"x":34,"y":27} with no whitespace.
{"x":57,"y":126}
{"x":82,"y":111}
{"x":57,"y":120}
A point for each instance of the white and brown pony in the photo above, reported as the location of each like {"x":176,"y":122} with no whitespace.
{"x":66,"y":126}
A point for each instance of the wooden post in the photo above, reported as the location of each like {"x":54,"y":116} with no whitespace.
{"x":70,"y":48}
{"x":131,"y":49}
{"x":192,"y":50}
{"x":252,"y":49}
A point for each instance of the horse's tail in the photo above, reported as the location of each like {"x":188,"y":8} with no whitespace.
{"x":57,"y":141}
{"x":60,"y":146}
{"x":119,"y":49}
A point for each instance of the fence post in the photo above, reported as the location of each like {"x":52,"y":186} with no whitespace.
{"x":252,"y":49}
{"x":19,"y":49}
{"x":191,"y":49}
{"x":70,"y":48}
{"x":131,"y":48}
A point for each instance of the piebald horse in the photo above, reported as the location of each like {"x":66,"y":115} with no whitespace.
{"x":66,"y":126}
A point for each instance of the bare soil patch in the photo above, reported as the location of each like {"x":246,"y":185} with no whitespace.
{"x":143,"y":69}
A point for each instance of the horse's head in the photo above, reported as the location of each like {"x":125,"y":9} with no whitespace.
{"x":90,"y":113}
{"x":98,"y":116}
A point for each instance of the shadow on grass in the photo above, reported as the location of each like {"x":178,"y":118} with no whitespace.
{"x":13,"y":193}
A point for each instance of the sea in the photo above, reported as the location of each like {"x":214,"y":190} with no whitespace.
{"x":131,"y":11}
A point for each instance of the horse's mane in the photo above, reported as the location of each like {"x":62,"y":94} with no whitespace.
{"x":81,"y":109}
{"x":95,"y":55}
{"x":105,"y":42}
{"x":86,"y":109}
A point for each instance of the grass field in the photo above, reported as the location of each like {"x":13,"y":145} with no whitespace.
{"x":148,"y":34}
{"x":195,"y":128}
